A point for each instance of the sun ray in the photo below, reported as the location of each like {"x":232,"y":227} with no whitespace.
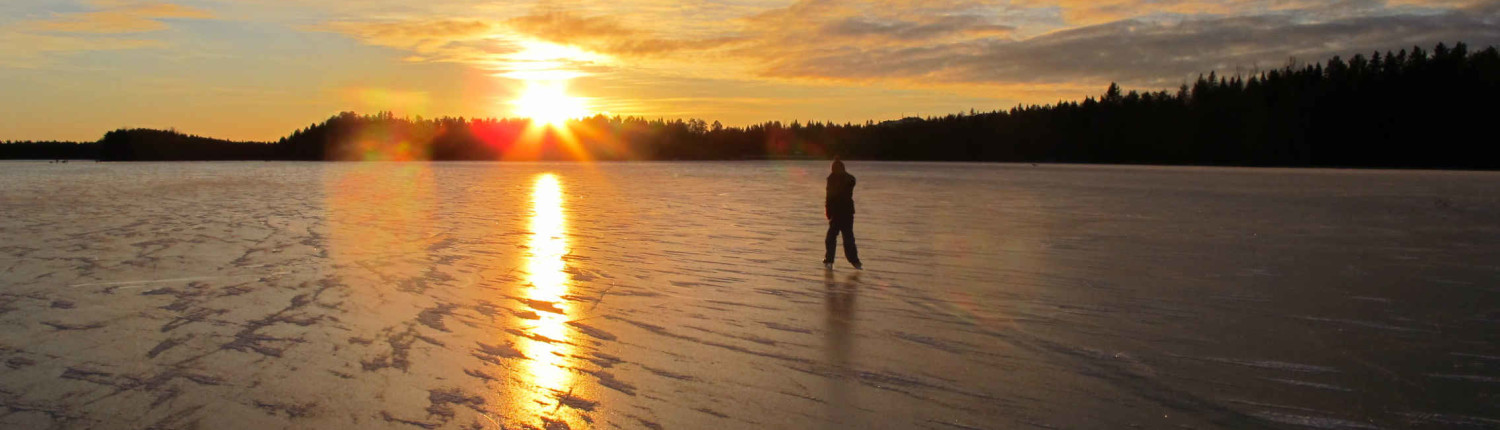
{"x":544,"y":71}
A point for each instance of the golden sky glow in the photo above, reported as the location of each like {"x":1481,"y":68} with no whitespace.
{"x":254,"y":70}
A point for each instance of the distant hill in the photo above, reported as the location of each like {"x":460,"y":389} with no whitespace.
{"x":169,"y":145}
{"x":1393,"y":109}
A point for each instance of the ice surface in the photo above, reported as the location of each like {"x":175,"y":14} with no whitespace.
{"x":691,"y":295}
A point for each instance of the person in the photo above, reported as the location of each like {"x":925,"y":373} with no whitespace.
{"x":838,"y":207}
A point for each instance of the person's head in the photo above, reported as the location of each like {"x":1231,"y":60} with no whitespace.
{"x":838,"y":165}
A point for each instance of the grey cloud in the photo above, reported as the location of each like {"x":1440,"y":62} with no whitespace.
{"x":913,"y":30}
{"x":1142,"y":53}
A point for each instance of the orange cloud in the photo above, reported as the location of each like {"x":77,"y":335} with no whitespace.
{"x":119,"y":18}
{"x":28,"y":44}
{"x":1010,"y":49}
{"x":603,"y":34}
{"x":424,"y":36}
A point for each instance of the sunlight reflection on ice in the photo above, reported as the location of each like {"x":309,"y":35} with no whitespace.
{"x":547,"y":370}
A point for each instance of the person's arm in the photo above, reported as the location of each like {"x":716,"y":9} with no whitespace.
{"x":852,"y":181}
{"x":826,"y":196}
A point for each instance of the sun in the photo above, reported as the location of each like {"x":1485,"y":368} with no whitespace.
{"x":545,"y":69}
{"x":548,"y":103}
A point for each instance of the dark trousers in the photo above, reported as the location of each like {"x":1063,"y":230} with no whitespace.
{"x":841,"y":224}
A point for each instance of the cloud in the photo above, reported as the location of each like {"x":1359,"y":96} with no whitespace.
{"x":1089,"y":12}
{"x":932,"y":28}
{"x":1449,"y":4}
{"x":839,"y":22}
{"x":962,"y":45}
{"x":603,"y":34}
{"x":1157,"y":54}
{"x":469,"y":41}
{"x":488,"y":45}
{"x":540,"y":45}
{"x":423,"y":37}
{"x":1149,"y":51}
{"x":116,"y":18}
{"x":114,"y":26}
{"x":816,"y":23}
{"x":25,"y":50}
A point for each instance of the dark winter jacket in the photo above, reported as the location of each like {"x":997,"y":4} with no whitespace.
{"x":840,"y":194}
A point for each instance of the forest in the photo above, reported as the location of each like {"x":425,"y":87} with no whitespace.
{"x":1409,"y":108}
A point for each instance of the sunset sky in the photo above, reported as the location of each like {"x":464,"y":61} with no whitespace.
{"x":257,"y":69}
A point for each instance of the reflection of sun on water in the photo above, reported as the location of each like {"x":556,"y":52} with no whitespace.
{"x":547,"y":369}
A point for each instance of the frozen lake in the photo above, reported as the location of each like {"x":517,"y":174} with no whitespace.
{"x":691,"y":295}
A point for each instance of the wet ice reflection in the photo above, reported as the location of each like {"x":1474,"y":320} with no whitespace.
{"x":417,"y":295}
{"x":547,"y":372}
{"x":839,"y":344}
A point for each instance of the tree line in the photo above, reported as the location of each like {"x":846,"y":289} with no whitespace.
{"x":1394,"y":109}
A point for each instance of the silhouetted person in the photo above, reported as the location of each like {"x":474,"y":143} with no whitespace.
{"x":839,"y":209}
